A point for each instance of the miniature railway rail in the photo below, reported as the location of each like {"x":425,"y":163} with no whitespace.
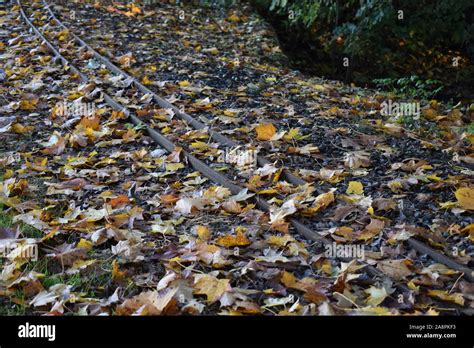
{"x":202,"y":167}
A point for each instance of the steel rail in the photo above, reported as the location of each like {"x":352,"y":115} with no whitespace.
{"x":216,"y":136}
{"x":198,"y":164}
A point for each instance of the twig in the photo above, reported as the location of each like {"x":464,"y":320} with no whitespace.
{"x":455,"y":283}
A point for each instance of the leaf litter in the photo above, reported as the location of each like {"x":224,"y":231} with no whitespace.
{"x":152,"y":237}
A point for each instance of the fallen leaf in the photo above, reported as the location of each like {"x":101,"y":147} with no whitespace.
{"x":232,"y":241}
{"x":376,"y":296}
{"x":465,"y":197}
{"x":119,"y":201}
{"x":203,"y":232}
{"x":265,"y":131}
{"x":372,"y":229}
{"x":445,"y":296}
{"x":212,"y":287}
{"x":355,"y":187}
{"x":397,"y":269}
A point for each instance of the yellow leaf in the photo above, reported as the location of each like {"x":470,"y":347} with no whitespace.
{"x":265,"y":131}
{"x":84,"y":244}
{"x":203,"y":232}
{"x":280,"y":241}
{"x":8,"y":174}
{"x":267,"y":192}
{"x":117,"y":275}
{"x":50,"y":234}
{"x":319,"y":87}
{"x":469,"y":228}
{"x":172,"y":167}
{"x":233,"y":18}
{"x":293,"y":133}
{"x":146,"y":81}
{"x":413,"y":286}
{"x":345,"y":231}
{"x":326,"y":267}
{"x":184,"y":83}
{"x":82,"y":264}
{"x":395,"y":185}
{"x":230,"y":113}
{"x":28,"y":105}
{"x":212,"y":50}
{"x":355,"y":187}
{"x":20,"y":129}
{"x":321,"y":201}
{"x":210,"y":286}
{"x":443,"y":295}
{"x":434,"y":177}
{"x":447,"y":205}
{"x":374,"y":310}
{"x":288,"y":279}
{"x":465,"y":197}
{"x":231,"y":241}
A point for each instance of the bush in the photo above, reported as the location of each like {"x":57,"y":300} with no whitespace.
{"x":421,"y":37}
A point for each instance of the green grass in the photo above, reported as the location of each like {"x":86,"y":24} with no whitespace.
{"x":470,"y":128}
{"x":6,"y":221}
{"x":90,"y":283}
{"x":30,"y":231}
{"x":74,"y":280}
{"x":10,"y":307}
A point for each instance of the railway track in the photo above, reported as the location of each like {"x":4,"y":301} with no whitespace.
{"x":235,"y":186}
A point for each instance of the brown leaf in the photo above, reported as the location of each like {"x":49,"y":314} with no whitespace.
{"x":396,"y":269}
{"x":119,"y":201}
{"x":57,"y":148}
{"x":74,"y":184}
{"x":372,"y":229}
{"x":211,"y":286}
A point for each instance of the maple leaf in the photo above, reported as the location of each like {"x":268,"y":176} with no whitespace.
{"x":55,"y":145}
{"x":231,"y":241}
{"x":212,"y":287}
{"x":119,"y":201}
{"x":357,"y":159}
{"x":265,"y":131}
{"x":372,"y":229}
{"x":233,"y":18}
{"x":397,"y":269}
{"x":278,"y":214}
{"x":465,"y":197}
{"x":203,"y":232}
{"x":126,"y":60}
{"x":355,"y":187}
{"x":148,"y":302}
